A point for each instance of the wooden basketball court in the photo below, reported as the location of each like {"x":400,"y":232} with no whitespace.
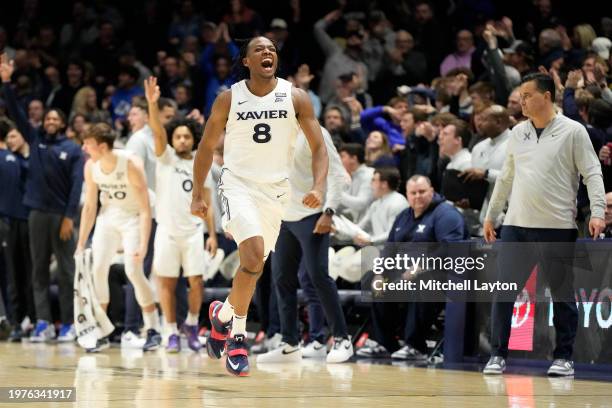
{"x":129,"y":378}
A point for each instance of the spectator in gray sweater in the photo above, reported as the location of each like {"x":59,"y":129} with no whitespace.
{"x":381,"y":214}
{"x":339,"y":61}
{"x":356,"y":200}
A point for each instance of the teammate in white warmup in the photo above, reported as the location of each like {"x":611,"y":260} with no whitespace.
{"x":179,"y":240}
{"x":124,"y":221}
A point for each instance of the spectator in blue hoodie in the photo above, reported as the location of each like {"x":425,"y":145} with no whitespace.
{"x":215,"y":61}
{"x":386,"y":119}
{"x":53,"y":190}
{"x":219,"y":79}
{"x":14,"y":217}
{"x":428,"y":219}
{"x":127,"y":89}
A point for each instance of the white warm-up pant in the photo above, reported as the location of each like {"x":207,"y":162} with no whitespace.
{"x":113,"y":231}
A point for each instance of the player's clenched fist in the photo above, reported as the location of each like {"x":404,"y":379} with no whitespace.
{"x":313,"y":199}
{"x":199,"y":207}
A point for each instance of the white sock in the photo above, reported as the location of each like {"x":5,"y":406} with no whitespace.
{"x":192,"y":319}
{"x":239,"y":325}
{"x":171,"y":328}
{"x":151,"y":320}
{"x":226,"y":312}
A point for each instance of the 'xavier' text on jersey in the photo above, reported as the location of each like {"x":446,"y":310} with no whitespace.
{"x":267,"y":114}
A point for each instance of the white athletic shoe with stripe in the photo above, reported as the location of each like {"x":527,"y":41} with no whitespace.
{"x":284,"y":353}
{"x":561,"y":368}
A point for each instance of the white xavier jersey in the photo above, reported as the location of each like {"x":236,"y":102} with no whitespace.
{"x":260,"y":133}
{"x":174,"y":181}
{"x":116,"y":192}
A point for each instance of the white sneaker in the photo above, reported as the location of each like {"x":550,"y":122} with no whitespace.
{"x":101,"y":344}
{"x":341,"y":351}
{"x":561,"y":368}
{"x":129,"y":339}
{"x":67,"y":334}
{"x":495,"y":366}
{"x":284,"y":353}
{"x":43,"y":332}
{"x":408,"y":353}
{"x":314,"y":349}
{"x":274,"y":342}
{"x":372,"y":349}
{"x":267,"y":344}
{"x":26,"y":324}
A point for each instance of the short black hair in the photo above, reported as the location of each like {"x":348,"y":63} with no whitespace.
{"x":61,"y":114}
{"x":600,"y":114}
{"x":6,"y":125}
{"x":419,"y":115}
{"x":389,"y":174}
{"x":76,"y":115}
{"x":544,"y":83}
{"x":194,"y":127}
{"x":462,"y":130}
{"x":354,"y":149}
{"x":426,"y":2}
{"x":241,"y":72}
{"x":130,"y":71}
{"x":218,"y":57}
{"x":78,"y":62}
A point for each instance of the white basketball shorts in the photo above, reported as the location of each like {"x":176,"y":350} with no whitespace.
{"x":173,"y":252}
{"x":251,"y":209}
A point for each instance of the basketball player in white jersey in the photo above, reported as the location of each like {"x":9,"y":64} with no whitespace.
{"x":124,"y":221}
{"x":179,"y":240}
{"x":261,"y":115}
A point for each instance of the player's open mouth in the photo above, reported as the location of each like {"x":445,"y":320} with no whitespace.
{"x":267,"y":63}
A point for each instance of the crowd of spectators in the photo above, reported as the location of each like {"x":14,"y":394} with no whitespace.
{"x":411,"y":88}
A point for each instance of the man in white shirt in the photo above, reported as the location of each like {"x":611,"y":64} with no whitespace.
{"x":356,"y":200}
{"x":379,"y":218}
{"x":489,"y":154}
{"x":141,"y":141}
{"x":304,"y":236}
{"x":453,"y":141}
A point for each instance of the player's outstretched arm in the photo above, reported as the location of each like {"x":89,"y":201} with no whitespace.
{"x":137,"y":178}
{"x":88,"y":213}
{"x":204,"y":155}
{"x":312,"y":131}
{"x":152,"y":94}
